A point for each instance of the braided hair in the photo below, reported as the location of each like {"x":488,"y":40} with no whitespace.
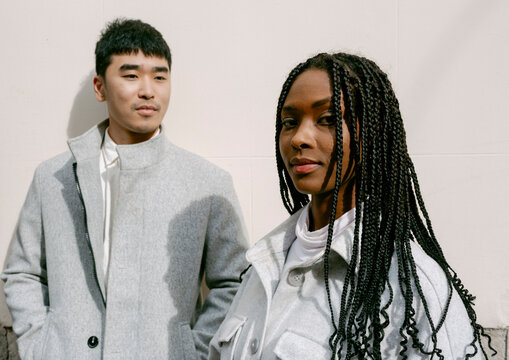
{"x":390,"y":211}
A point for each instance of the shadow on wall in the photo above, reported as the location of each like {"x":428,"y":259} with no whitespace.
{"x":224,"y":261}
{"x":86,"y":110}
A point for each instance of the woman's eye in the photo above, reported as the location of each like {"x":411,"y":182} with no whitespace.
{"x":288,"y":123}
{"x":327,"y":120}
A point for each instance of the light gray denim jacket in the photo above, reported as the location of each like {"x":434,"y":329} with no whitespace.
{"x":286,"y":316}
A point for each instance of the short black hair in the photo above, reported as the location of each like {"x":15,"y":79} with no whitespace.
{"x":128,"y":36}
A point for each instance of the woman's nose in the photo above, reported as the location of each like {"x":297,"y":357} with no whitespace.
{"x":303,"y":136}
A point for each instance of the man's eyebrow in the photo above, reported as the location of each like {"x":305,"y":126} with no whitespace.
{"x":163,"y":69}
{"x":125,"y":67}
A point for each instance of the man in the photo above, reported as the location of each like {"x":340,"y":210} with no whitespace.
{"x":116,"y":234}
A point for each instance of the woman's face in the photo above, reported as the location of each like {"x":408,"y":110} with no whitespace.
{"x":307,"y":138}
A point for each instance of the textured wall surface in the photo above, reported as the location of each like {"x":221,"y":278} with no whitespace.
{"x":447,"y":61}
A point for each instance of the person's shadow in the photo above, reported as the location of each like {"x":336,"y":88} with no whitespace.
{"x":86,"y":110}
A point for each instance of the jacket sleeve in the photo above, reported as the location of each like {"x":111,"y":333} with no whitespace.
{"x":224,"y":259}
{"x":456,"y":335}
{"x":26,"y":287}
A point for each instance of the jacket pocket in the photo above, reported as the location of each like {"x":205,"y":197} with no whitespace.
{"x":187,"y":341}
{"x":291,"y":346}
{"x":228,"y":335}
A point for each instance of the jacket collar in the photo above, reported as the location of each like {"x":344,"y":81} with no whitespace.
{"x":276,"y":243}
{"x":268,"y":255}
{"x":134,"y":156}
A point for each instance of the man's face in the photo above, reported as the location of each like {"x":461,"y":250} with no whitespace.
{"x":136,"y":88}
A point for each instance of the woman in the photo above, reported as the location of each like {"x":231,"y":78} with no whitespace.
{"x":357,"y":271}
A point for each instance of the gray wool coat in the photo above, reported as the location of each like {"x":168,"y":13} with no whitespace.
{"x":176,"y":220}
{"x":285,"y":315}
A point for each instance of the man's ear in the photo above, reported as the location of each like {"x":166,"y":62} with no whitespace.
{"x":99,"y":88}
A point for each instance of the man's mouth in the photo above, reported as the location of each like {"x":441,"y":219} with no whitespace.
{"x":146,"y":110}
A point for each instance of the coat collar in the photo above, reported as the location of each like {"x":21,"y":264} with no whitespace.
{"x":86,"y":151}
{"x":132,"y":157}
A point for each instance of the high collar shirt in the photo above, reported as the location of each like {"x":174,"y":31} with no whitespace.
{"x":311,"y":244}
{"x":109,"y":168}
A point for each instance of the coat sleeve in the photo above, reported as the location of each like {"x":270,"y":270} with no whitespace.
{"x":224,"y":259}
{"x":26,"y":287}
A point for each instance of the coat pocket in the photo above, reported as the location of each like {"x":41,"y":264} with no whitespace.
{"x":187,"y":341}
{"x":291,"y":346}
{"x":228,"y":335}
{"x":45,"y":336}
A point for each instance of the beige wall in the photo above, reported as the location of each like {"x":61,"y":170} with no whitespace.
{"x":448,"y":61}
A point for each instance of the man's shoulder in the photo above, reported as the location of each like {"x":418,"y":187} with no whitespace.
{"x":194,"y":163}
{"x":55,"y":163}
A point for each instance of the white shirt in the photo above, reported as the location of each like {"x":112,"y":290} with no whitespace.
{"x":311,"y":244}
{"x":109,"y":169}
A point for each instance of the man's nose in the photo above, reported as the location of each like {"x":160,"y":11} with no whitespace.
{"x":146,"y":90}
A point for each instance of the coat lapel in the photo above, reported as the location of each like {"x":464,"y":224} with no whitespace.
{"x":90,"y":185}
{"x":85,"y":149}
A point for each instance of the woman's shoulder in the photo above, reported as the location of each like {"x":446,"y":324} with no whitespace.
{"x":443,"y":304}
{"x":431,"y":275}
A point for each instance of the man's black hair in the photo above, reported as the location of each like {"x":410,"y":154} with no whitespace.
{"x":390,"y":210}
{"x":127,"y":36}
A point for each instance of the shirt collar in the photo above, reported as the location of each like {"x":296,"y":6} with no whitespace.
{"x":109,"y":149}
{"x":317,"y":237}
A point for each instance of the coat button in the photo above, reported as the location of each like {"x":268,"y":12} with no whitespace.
{"x":296,"y":277}
{"x":93,"y":341}
{"x":254,"y":346}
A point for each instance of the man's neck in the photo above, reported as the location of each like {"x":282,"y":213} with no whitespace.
{"x":129,"y":137}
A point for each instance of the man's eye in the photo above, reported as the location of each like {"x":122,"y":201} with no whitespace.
{"x":288,"y":123}
{"x":130,"y":76}
{"x":160,"y":78}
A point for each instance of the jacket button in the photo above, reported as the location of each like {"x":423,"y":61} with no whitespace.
{"x":296,"y":277}
{"x":93,"y":341}
{"x":254,"y":346}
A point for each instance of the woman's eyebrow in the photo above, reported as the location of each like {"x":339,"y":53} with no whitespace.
{"x":314,"y":105}
{"x":320,"y":103}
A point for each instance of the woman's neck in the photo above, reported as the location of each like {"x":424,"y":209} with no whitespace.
{"x":321,"y":206}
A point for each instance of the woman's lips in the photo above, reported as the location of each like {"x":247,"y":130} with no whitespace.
{"x":304,"y":168}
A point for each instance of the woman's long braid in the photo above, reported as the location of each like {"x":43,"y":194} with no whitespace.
{"x":336,"y":105}
{"x":390,"y":211}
